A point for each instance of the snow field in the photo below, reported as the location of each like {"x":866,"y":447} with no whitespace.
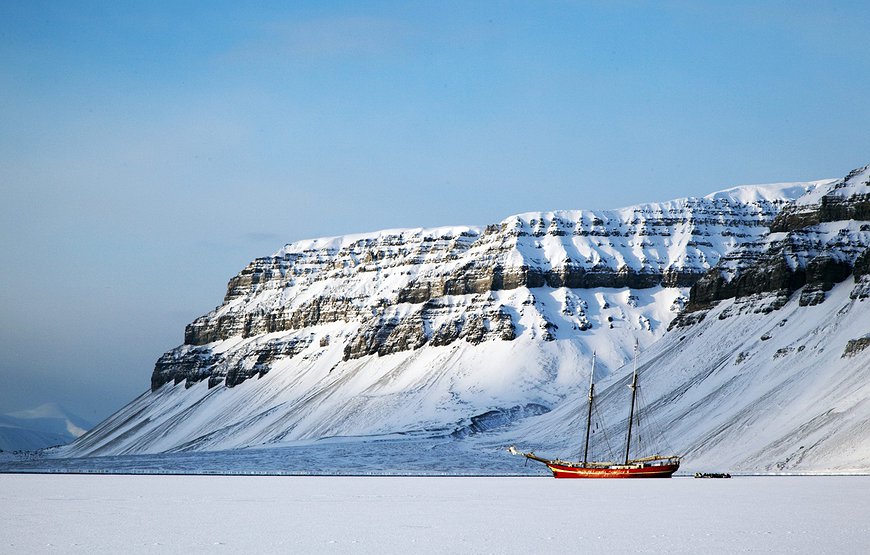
{"x":242,"y":514}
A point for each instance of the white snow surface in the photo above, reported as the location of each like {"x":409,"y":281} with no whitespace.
{"x":652,"y":236}
{"x":757,"y":196}
{"x":770,"y":192}
{"x":856,"y":183}
{"x":212,"y":514}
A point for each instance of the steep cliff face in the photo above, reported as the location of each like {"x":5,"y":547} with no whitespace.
{"x":429,"y":331}
{"x":400,"y":290}
{"x":818,"y":241}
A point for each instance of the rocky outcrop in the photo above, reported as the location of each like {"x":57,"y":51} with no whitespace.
{"x":191,"y":364}
{"x":847,"y":199}
{"x":855,"y":346}
{"x":822,"y":272}
{"x":819,"y":241}
{"x":319,"y":310}
{"x":861,"y":271}
{"x":474,"y":279}
{"x":386,"y":335}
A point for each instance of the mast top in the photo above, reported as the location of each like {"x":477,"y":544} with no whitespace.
{"x":592,"y":373}
{"x":633,"y":388}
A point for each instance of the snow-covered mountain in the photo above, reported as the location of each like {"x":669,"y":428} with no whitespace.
{"x":39,"y":427}
{"x":438,"y":331}
{"x":749,"y":306}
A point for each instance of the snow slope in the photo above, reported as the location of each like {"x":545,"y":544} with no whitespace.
{"x":435,"y":389}
{"x":744,"y":391}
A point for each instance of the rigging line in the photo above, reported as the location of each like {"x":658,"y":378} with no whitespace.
{"x":647,"y":439}
{"x":641,"y":422}
{"x":610,"y":452}
{"x":645,"y":424}
{"x":664,"y":439}
{"x":654,"y":428}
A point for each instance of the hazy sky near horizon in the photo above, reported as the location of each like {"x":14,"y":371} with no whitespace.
{"x":149,"y":150}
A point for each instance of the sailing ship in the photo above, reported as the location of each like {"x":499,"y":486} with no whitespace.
{"x":653,"y":466}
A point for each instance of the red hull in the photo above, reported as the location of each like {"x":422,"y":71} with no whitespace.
{"x":631,"y":471}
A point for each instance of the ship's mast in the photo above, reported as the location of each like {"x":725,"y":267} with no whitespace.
{"x":633,"y":387}
{"x":589,"y":415}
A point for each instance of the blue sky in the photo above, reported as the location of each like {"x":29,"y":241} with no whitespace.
{"x":149,"y":150}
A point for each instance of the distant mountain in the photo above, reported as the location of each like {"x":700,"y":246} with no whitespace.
{"x":44,"y":426}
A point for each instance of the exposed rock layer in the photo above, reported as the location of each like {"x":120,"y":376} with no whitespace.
{"x":400,"y":290}
{"x":814,"y":244}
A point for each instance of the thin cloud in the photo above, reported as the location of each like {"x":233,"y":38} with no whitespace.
{"x":336,"y":37}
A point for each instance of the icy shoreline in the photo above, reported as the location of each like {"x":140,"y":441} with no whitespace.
{"x":420,"y":457}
